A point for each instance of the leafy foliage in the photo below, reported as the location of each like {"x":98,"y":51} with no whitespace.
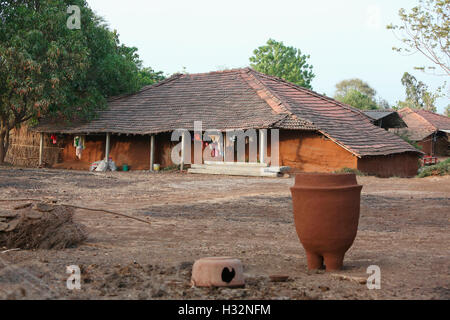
{"x":440,"y":169}
{"x":148,"y":76}
{"x":358,"y":100}
{"x":425,"y":29}
{"x":288,"y":63}
{"x":350,"y":170}
{"x":47,"y":69}
{"x":358,"y":94}
{"x":447,"y":110}
{"x":343,"y":87}
{"x":417,"y":94}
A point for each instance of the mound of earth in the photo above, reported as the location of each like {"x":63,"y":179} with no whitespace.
{"x":42,"y":226}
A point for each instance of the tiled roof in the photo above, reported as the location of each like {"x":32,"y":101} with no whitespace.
{"x":422,"y":123}
{"x":221,"y":100}
{"x":345,"y":125}
{"x":378,"y":114}
{"x":439,"y":121}
{"x":237,"y":99}
{"x":413,"y":135}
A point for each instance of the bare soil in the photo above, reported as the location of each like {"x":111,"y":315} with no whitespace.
{"x":404,"y":229}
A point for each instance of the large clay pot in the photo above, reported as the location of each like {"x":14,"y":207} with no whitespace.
{"x":326,"y":214}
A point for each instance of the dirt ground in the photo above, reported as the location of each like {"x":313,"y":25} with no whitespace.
{"x":404,"y":229}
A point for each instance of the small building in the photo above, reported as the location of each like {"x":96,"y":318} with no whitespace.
{"x":428,"y":129}
{"x":385,"y":118}
{"x":316,"y":133}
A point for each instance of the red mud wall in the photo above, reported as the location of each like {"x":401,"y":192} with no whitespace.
{"x":94,"y":151}
{"x":400,"y":165}
{"x":440,"y":147}
{"x":426,"y":145}
{"x":131,"y":150}
{"x":311,"y":152}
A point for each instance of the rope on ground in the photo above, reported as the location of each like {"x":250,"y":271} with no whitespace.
{"x":105,"y":211}
{"x":78,"y":207}
{"x":19,"y":200}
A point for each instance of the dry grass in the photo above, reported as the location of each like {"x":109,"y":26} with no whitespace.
{"x":24,"y":148}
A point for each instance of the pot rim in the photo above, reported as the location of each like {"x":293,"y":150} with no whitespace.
{"x":324,"y":174}
{"x":327,"y":188}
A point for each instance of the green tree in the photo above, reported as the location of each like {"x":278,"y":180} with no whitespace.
{"x":288,"y":63}
{"x":359,"y":94}
{"x":47,"y":69}
{"x":149,"y":76}
{"x":383,"y":104}
{"x":425,"y":29}
{"x":343,"y":87}
{"x":358,"y":100}
{"x":447,"y":110}
{"x":417,"y":94}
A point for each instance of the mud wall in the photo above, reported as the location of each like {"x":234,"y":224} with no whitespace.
{"x":435,"y":148}
{"x":442,"y":146}
{"x":426,"y":144}
{"x":301,"y":150}
{"x":131,"y":150}
{"x":399,"y":165}
{"x":312,"y":152}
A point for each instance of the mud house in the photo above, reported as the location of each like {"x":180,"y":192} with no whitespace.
{"x":430,"y":130}
{"x":316,"y":133}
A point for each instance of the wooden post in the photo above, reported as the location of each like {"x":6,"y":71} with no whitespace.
{"x":108,"y":141}
{"x":41,"y":149}
{"x":152,"y":151}
{"x":182,"y":152}
{"x":262,"y":145}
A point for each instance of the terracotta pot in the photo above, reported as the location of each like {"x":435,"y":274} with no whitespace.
{"x":326,"y":214}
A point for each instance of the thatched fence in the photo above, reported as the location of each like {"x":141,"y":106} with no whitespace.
{"x":24,"y":148}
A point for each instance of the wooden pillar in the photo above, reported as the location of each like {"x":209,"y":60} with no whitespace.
{"x":182,"y":152}
{"x":152,"y":151}
{"x":262,"y":145}
{"x":41,"y":149}
{"x":107,"y":149}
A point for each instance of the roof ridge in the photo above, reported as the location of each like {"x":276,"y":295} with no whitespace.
{"x":311,"y":92}
{"x":325,"y":98}
{"x":281,"y":102}
{"x":270,"y":97}
{"x":148,"y":87}
{"x":343,"y":145}
{"x":379,"y":110}
{"x":416,"y":114}
{"x":233,"y":70}
{"x":434,"y":114}
{"x":173,"y":77}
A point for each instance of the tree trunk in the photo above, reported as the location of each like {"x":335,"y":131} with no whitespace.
{"x":4,"y":142}
{"x":2,"y":147}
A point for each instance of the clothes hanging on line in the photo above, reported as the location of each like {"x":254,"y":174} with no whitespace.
{"x":78,"y":143}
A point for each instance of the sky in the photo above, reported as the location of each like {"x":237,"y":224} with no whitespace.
{"x":345,"y":39}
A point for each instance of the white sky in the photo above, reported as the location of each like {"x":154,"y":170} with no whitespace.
{"x":345,"y":39}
